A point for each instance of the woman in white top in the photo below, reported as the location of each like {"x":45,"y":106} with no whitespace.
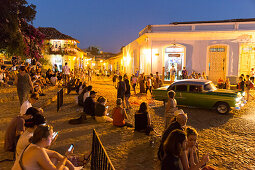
{"x":37,"y":157}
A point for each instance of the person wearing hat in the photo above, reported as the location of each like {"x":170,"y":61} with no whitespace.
{"x":30,"y":124}
{"x":16,"y":128}
{"x":24,"y":84}
{"x":178,"y":122}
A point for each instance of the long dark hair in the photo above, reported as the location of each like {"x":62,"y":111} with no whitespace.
{"x":143,"y":108}
{"x":42,"y":131}
{"x":173,"y":143}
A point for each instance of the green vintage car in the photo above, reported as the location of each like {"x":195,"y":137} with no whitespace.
{"x":202,"y":94}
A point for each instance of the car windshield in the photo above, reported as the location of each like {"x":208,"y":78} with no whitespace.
{"x":209,"y":87}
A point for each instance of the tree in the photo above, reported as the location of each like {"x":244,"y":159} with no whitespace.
{"x":17,"y":36}
{"x":93,"y":50}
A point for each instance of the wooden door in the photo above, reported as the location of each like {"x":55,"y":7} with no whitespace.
{"x":217,"y":62}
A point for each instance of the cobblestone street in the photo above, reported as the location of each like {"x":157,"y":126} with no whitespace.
{"x":229,"y":139}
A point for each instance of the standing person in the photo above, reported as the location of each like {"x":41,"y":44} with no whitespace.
{"x":227,"y":84}
{"x":134,"y":82}
{"x":252,"y":75}
{"x":141,"y":83}
{"x":127,"y":92}
{"x":119,"y":115}
{"x":248,"y":87}
{"x":121,"y":89}
{"x":35,"y":156}
{"x":184,"y":73}
{"x":170,"y":108}
{"x":27,"y":104}
{"x":157,"y":80}
{"x":55,"y":68}
{"x":241,"y":84}
{"x":172,"y":73}
{"x":114,"y":80}
{"x":204,"y":76}
{"x":24,"y":84}
{"x":148,"y":84}
{"x":66,"y":73}
{"x":143,"y":120}
{"x":89,"y":75}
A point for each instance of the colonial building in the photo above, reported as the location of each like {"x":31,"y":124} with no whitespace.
{"x":59,"y":48}
{"x":223,"y":49}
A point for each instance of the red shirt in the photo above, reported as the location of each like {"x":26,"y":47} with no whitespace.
{"x":118,"y":116}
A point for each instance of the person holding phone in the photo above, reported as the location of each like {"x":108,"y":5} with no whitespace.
{"x":36,"y":156}
{"x":101,"y":110}
{"x":190,"y":158}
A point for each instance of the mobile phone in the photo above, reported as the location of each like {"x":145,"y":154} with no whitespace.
{"x":54,"y":135}
{"x":70,"y":148}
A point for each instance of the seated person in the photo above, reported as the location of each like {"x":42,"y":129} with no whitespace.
{"x":178,"y":122}
{"x":89,"y":104}
{"x":190,"y":159}
{"x":142,"y":119}
{"x":173,"y":147}
{"x":220,"y":83}
{"x":71,"y":85}
{"x":54,"y":80}
{"x":30,"y":125}
{"x":27,"y":104}
{"x":36,"y":156}
{"x":16,"y":128}
{"x":119,"y":115}
{"x":87,"y":93}
{"x":101,"y":110}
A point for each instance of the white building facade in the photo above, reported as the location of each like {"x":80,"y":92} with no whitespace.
{"x":223,"y":49}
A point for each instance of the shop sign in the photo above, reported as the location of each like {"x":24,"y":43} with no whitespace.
{"x":174,"y":55}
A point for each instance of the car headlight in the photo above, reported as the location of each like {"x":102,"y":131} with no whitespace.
{"x":238,"y":99}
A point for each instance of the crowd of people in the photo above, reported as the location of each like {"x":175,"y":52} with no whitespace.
{"x":29,"y":136}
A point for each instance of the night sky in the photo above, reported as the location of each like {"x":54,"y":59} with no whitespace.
{"x":110,"y":24}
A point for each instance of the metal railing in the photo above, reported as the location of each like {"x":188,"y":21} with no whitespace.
{"x":99,"y":157}
{"x":59,"y":99}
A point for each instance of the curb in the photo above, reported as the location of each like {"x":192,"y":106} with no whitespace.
{"x":14,"y":96}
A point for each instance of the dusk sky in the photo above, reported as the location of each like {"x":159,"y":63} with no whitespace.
{"x":110,"y":24}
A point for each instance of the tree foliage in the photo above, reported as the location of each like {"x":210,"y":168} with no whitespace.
{"x":18,"y":36}
{"x":93,"y":50}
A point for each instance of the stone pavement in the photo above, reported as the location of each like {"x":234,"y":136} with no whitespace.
{"x":229,"y":139}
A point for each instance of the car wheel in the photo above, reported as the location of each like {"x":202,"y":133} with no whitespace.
{"x":222,"y":108}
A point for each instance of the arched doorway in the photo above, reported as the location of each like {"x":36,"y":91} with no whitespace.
{"x":217,"y":62}
{"x":174,"y":55}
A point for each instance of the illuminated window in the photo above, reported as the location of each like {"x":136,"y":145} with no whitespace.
{"x":217,"y":49}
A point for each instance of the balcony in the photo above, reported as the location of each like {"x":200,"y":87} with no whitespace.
{"x":60,"y":51}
